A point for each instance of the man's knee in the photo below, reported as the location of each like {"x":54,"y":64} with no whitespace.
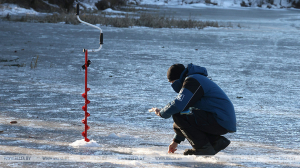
{"x":175,"y":126}
{"x":180,"y":120}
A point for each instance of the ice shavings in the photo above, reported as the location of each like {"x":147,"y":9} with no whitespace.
{"x":153,"y":109}
{"x":83,"y":143}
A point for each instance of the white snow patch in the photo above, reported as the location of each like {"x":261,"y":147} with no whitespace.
{"x":83,"y":143}
{"x":109,"y":10}
{"x":89,"y":5}
{"x":14,"y":9}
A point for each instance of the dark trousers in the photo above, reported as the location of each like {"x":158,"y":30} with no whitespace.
{"x":199,"y":128}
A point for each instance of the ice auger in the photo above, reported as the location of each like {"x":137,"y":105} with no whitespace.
{"x":85,"y":66}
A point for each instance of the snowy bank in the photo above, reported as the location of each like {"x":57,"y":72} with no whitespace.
{"x":223,"y":3}
{"x":13,"y":9}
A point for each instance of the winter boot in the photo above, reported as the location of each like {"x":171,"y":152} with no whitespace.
{"x":204,"y":150}
{"x":220,"y":144}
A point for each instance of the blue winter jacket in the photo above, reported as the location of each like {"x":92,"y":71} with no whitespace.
{"x":213,"y":100}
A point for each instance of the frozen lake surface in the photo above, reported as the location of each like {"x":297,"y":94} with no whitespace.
{"x":257,"y":64}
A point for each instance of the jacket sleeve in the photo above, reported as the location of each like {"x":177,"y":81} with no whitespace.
{"x":178,"y":138}
{"x":190,"y":93}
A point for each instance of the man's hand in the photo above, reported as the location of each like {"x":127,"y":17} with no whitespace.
{"x":172,"y":147}
{"x":156,"y":110}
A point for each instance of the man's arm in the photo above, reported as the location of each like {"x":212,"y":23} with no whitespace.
{"x":190,"y":93}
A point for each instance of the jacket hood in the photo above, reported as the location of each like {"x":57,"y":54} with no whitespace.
{"x":194,"y":69}
{"x":190,"y":70}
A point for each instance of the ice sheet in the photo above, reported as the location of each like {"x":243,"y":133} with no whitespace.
{"x":256,"y":64}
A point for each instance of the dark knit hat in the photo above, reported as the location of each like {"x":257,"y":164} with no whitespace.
{"x":175,"y":71}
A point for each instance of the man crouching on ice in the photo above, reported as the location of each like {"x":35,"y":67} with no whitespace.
{"x":202,"y":112}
